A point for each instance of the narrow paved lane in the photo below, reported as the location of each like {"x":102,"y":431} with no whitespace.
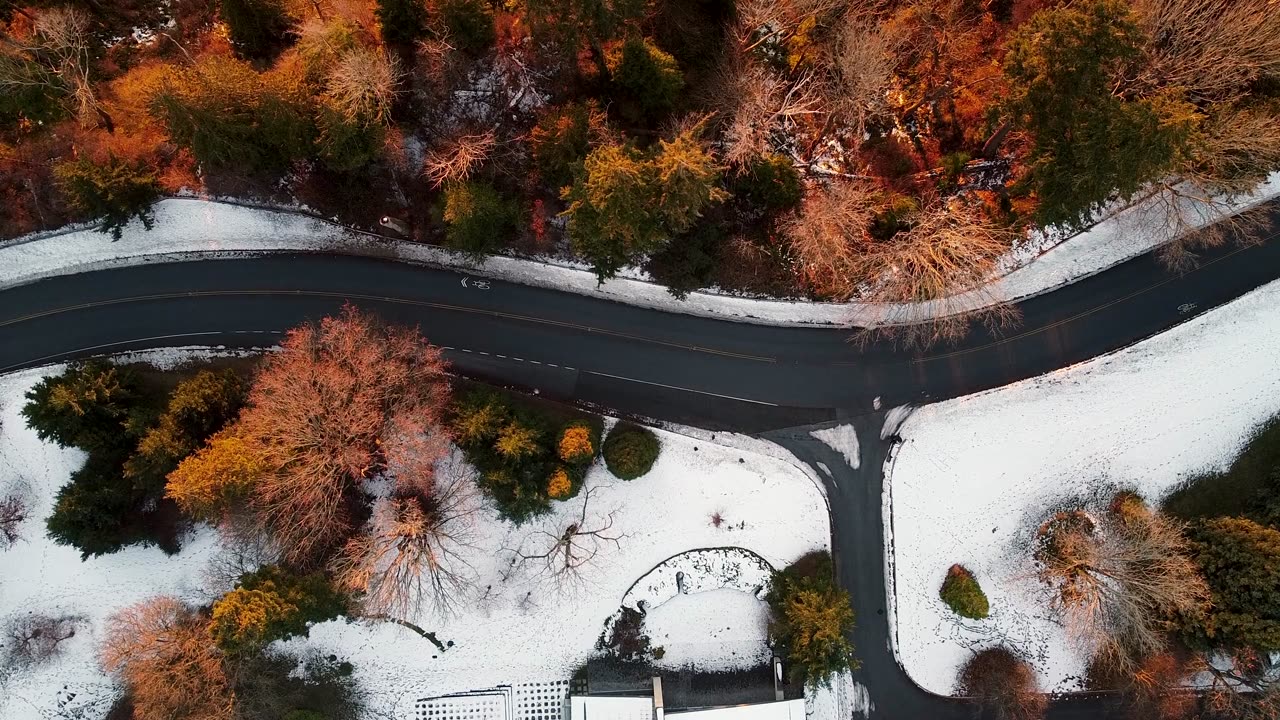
{"x":712,"y":373}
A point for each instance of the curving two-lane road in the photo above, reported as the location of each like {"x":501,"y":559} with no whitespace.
{"x":711,"y":373}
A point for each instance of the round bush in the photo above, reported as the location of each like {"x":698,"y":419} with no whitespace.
{"x":630,"y":451}
{"x":961,"y":592}
{"x":577,"y":443}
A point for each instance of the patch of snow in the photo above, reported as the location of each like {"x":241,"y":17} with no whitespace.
{"x":825,"y":470}
{"x":523,"y":628}
{"x":841,"y":700}
{"x":894,"y":419}
{"x":44,"y":577}
{"x":844,"y":440}
{"x":716,"y":630}
{"x":194,"y":229}
{"x":976,"y":475}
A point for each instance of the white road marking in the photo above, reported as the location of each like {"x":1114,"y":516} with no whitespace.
{"x":674,"y":387}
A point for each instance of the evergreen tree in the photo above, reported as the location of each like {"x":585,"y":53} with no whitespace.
{"x":229,"y":115}
{"x":256,"y":27}
{"x":811,"y":619}
{"x":1090,"y":142}
{"x":97,"y":511}
{"x":115,"y":191}
{"x":613,"y":209}
{"x":88,"y":406}
{"x":688,"y":181}
{"x":563,"y":137}
{"x":401,"y":22}
{"x":575,"y":23}
{"x":1240,"y":560}
{"x":272,"y":604}
{"x":647,"y":77}
{"x":469,"y":23}
{"x":479,"y":219}
{"x":346,"y":145}
{"x":198,"y":407}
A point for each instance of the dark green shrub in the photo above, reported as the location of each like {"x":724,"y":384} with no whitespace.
{"x":276,"y":685}
{"x":88,"y":406}
{"x":648,"y":79}
{"x":811,"y":620}
{"x":961,"y":592}
{"x":771,"y":183}
{"x":630,"y":450}
{"x":401,"y":22}
{"x":479,"y":218}
{"x":115,"y":191}
{"x":469,"y":24}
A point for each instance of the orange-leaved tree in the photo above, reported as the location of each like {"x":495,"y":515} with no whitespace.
{"x":345,"y":399}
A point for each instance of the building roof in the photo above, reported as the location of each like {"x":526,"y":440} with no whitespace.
{"x":606,"y":707}
{"x":783,"y":710}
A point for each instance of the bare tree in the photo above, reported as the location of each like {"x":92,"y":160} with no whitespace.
{"x":31,"y":638}
{"x":1240,"y":689}
{"x":13,"y":512}
{"x":413,"y":551}
{"x":1003,"y":684}
{"x":458,"y":156}
{"x":363,"y":84}
{"x":565,"y":554}
{"x":1120,"y":579}
{"x":758,"y":104}
{"x":829,"y":234}
{"x":1213,"y":49}
{"x":162,"y":651}
{"x":862,"y":62}
{"x":57,"y":57}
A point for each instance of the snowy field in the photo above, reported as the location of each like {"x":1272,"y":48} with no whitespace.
{"x":975,"y":475}
{"x":191,"y":229}
{"x":516,"y":628}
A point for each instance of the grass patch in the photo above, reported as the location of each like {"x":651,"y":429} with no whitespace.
{"x":962,"y":593}
{"x":1240,"y":490}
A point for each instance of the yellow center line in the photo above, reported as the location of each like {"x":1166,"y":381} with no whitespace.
{"x":381,"y":298}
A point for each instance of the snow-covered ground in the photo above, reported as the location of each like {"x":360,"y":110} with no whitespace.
{"x":516,"y":628}
{"x":976,"y":474}
{"x":190,"y":229}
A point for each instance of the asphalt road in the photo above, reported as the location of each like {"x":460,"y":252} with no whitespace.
{"x":711,"y":373}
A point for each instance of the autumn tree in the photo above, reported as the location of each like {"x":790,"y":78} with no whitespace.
{"x":271,"y":604}
{"x":582,"y":23}
{"x":1091,"y":143}
{"x":469,"y":24}
{"x":256,"y":27}
{"x":115,"y":191}
{"x":322,"y":412}
{"x":162,"y":652}
{"x":209,"y":481}
{"x":411,"y":556}
{"x":1003,"y":684}
{"x":1240,"y":560}
{"x":458,"y":156}
{"x":362,"y":84}
{"x":1123,"y":580}
{"x":198,"y":407}
{"x":811,"y":619}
